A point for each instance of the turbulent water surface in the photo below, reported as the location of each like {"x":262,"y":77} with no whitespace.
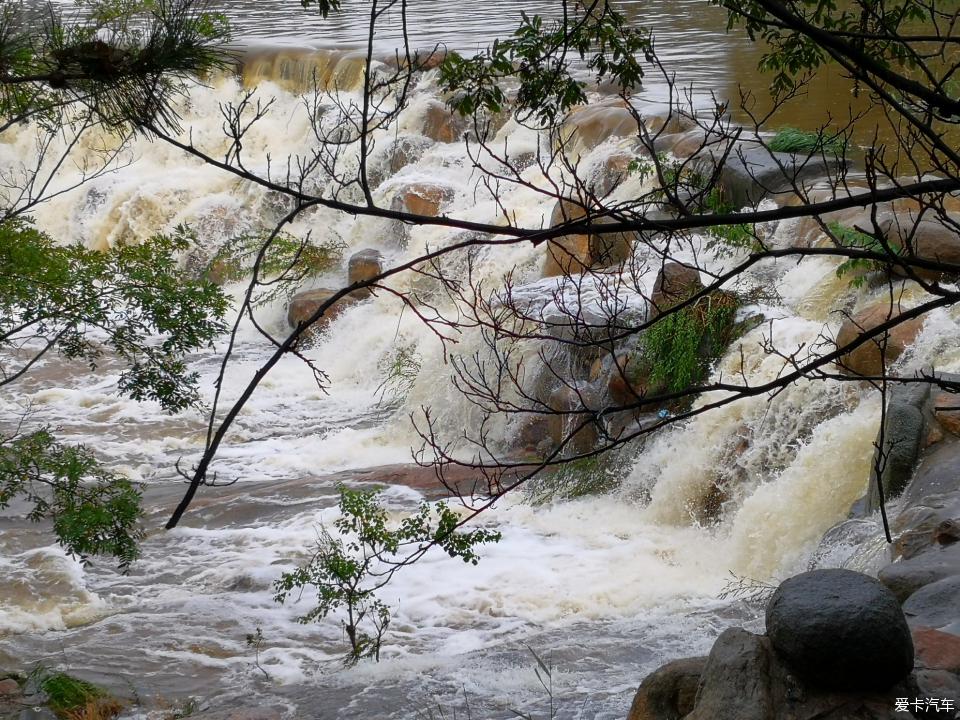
{"x":604,"y":588}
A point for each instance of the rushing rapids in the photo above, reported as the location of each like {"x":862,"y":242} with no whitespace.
{"x":607,"y":587}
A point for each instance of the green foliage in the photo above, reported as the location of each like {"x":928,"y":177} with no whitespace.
{"x":874,"y":30}
{"x":94,"y":512}
{"x":851,"y":238}
{"x":792,"y":140}
{"x":680,"y":346}
{"x":286,"y":261}
{"x":129,"y":78}
{"x":61,"y":295}
{"x":740,"y":235}
{"x":399,"y":369}
{"x":538,"y":57}
{"x":70,"y":697}
{"x":347,"y":570}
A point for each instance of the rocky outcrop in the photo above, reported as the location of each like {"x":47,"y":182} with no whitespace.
{"x":394,"y":155}
{"x":906,"y":427}
{"x":837,"y":648}
{"x":840,"y":630}
{"x":926,"y":238}
{"x":870,"y":357}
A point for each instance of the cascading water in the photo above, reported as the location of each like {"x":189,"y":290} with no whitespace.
{"x":605,"y":587}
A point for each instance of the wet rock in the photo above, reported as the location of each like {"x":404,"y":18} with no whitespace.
{"x":565,"y":425}
{"x":905,"y":577}
{"x":439,"y":123}
{"x":751,"y":173}
{"x":8,"y":687}
{"x":589,"y":125}
{"x":614,"y":170}
{"x":947,"y":411}
{"x":674,"y":284}
{"x":422,"y":199}
{"x":904,"y":432}
{"x":576,"y":253}
{"x":463,"y":480}
{"x":305,"y":304}
{"x":669,"y":692}
{"x":870,"y":357}
{"x":395,"y":155}
{"x":735,"y":682}
{"x":936,"y":605}
{"x":938,"y":474}
{"x":364,"y":265}
{"x":928,"y":238}
{"x":840,"y":630}
{"x":936,"y":649}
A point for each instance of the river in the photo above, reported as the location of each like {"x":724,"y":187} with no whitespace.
{"x":603,"y":588}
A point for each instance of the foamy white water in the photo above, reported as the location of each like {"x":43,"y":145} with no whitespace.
{"x":606,"y":587}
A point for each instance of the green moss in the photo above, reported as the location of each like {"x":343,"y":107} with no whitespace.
{"x":792,"y":140}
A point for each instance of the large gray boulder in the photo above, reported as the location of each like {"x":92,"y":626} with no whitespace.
{"x":841,"y":630}
{"x":935,"y":605}
{"x":905,"y":577}
{"x":736,"y":680}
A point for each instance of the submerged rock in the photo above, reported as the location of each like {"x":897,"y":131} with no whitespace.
{"x":840,"y":630}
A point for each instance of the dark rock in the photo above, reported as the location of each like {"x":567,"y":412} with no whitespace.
{"x":840,"y":630}
{"x":904,"y":430}
{"x":937,"y":474}
{"x":905,"y":577}
{"x":735,"y":680}
{"x":669,"y":692}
